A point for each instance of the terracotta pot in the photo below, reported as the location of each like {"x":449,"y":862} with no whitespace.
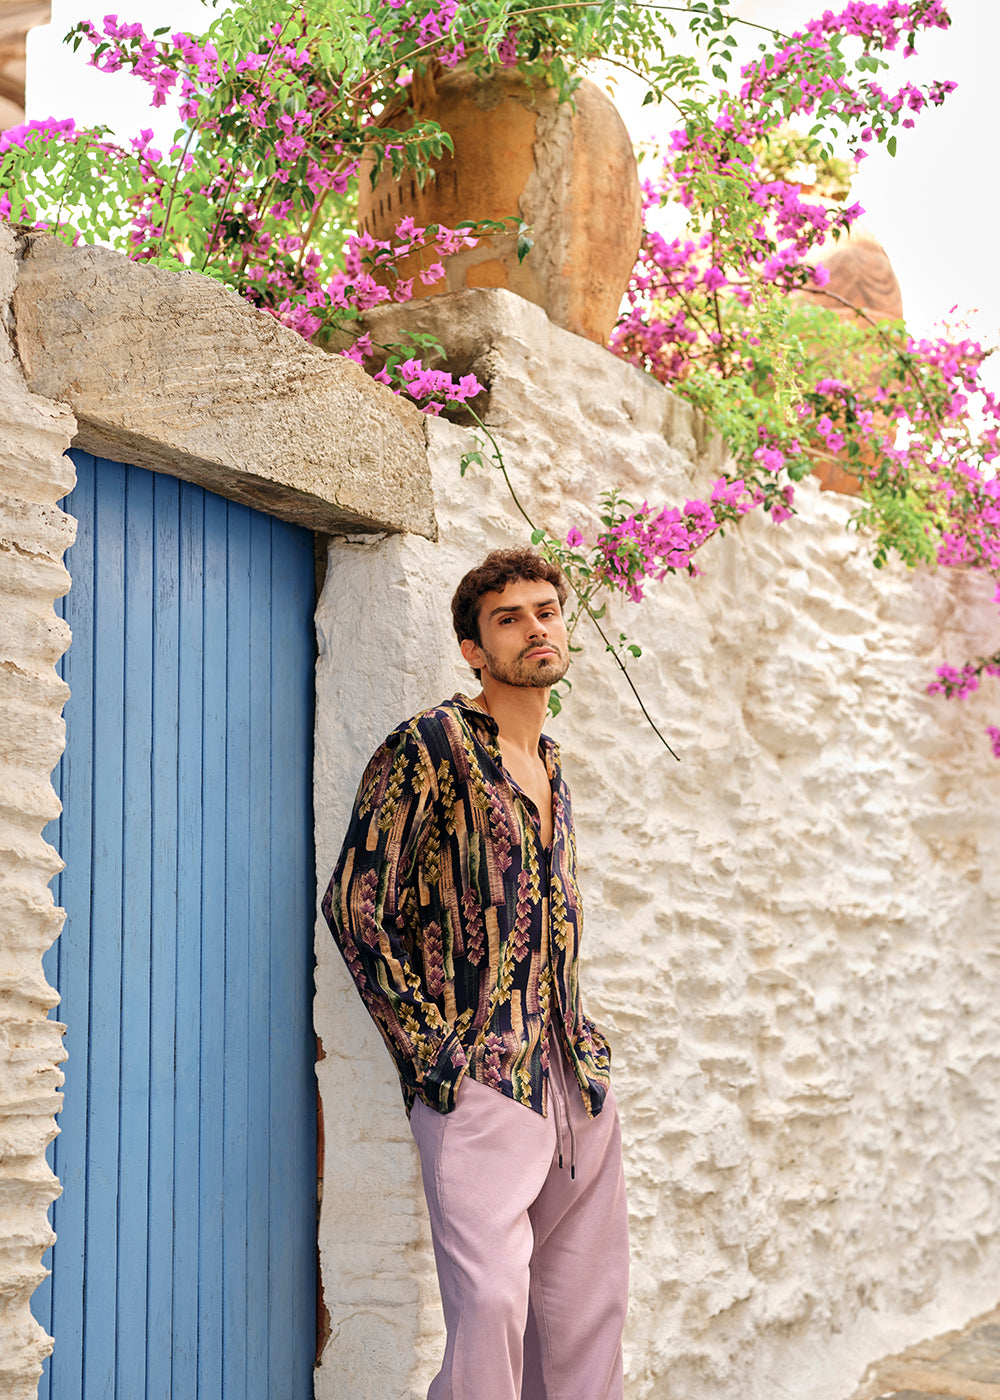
{"x":860,"y":273}
{"x":570,"y":174}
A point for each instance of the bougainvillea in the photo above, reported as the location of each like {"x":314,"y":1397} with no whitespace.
{"x":284,"y":106}
{"x":728,"y":312}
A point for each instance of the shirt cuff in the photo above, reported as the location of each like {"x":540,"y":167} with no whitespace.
{"x":439,"y":1084}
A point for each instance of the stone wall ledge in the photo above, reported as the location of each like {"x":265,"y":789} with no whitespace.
{"x":175,"y":372}
{"x":510,"y":343}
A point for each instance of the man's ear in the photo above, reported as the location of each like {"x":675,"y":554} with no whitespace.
{"x":473,"y":654}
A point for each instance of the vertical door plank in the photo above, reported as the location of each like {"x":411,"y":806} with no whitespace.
{"x":164,"y":1072}
{"x":190,"y":886}
{"x":104,"y":1050}
{"x":259,"y":933}
{"x":134,"y":1106}
{"x":238,"y":757}
{"x":292,"y":1216}
{"x":214,"y":1009}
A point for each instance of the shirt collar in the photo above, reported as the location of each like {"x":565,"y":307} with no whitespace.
{"x":471,"y":711}
{"x":474,"y":712}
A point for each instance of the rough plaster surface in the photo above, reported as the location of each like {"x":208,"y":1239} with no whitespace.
{"x":792,"y":935}
{"x":172,"y":371}
{"x":34,"y":533}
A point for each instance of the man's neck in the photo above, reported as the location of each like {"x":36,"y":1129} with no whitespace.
{"x":518,"y":710}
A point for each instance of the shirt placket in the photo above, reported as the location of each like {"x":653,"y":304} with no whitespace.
{"x":544,"y":859}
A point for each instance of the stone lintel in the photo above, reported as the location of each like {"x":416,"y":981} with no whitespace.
{"x":175,"y":372}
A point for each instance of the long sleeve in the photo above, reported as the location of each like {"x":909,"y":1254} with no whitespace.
{"x":372,"y":907}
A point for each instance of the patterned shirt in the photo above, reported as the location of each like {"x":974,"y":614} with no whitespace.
{"x":461,"y":930}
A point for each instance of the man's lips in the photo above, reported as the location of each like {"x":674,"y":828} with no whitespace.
{"x":541,"y":651}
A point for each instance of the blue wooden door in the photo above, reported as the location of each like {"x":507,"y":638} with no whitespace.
{"x":185,"y":1262}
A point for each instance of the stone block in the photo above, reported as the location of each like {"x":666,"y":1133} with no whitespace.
{"x":175,"y":372}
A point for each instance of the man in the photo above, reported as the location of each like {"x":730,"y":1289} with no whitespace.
{"x":455,"y":905}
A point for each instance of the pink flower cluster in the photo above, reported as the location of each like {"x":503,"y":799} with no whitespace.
{"x":808,"y":86}
{"x":641,"y":544}
{"x":956,"y":682}
{"x":884,"y":24}
{"x":434,"y":388}
{"x":250,"y":240}
{"x":672,"y":323}
{"x":37,"y":131}
{"x":118,"y":46}
{"x":664,"y":329}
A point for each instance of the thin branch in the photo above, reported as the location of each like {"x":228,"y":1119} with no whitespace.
{"x":259,"y":79}
{"x":682,"y":297}
{"x":173,"y":189}
{"x":883,"y":335}
{"x":80,"y":149}
{"x":317,"y":210}
{"x":515,"y":15}
{"x":715,"y":290}
{"x":637,"y":73}
{"x":219,"y":217}
{"x":582,"y":598}
{"x":835,"y":296}
{"x":261,"y":205}
{"x":624,"y":670}
{"x":641,"y":5}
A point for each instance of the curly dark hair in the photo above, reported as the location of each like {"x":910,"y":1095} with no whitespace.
{"x":500,"y":567}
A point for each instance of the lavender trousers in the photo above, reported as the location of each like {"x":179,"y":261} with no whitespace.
{"x":532,"y":1257}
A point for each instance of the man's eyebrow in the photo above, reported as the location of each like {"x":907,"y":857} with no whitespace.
{"x":519,"y":607}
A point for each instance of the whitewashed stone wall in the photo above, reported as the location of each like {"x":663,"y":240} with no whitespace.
{"x":34,"y":533}
{"x":793,"y":936}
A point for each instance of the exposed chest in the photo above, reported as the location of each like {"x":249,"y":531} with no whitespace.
{"x":532,"y":778}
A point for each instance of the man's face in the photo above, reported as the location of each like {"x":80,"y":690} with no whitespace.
{"x":523,"y":635}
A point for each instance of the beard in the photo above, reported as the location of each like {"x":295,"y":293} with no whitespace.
{"x":535,"y":673}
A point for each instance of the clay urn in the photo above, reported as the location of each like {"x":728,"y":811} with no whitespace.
{"x":566,"y":169}
{"x":861,"y":276}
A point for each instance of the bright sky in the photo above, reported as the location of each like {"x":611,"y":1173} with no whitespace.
{"x":934,"y":207}
{"x":60,"y":84}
